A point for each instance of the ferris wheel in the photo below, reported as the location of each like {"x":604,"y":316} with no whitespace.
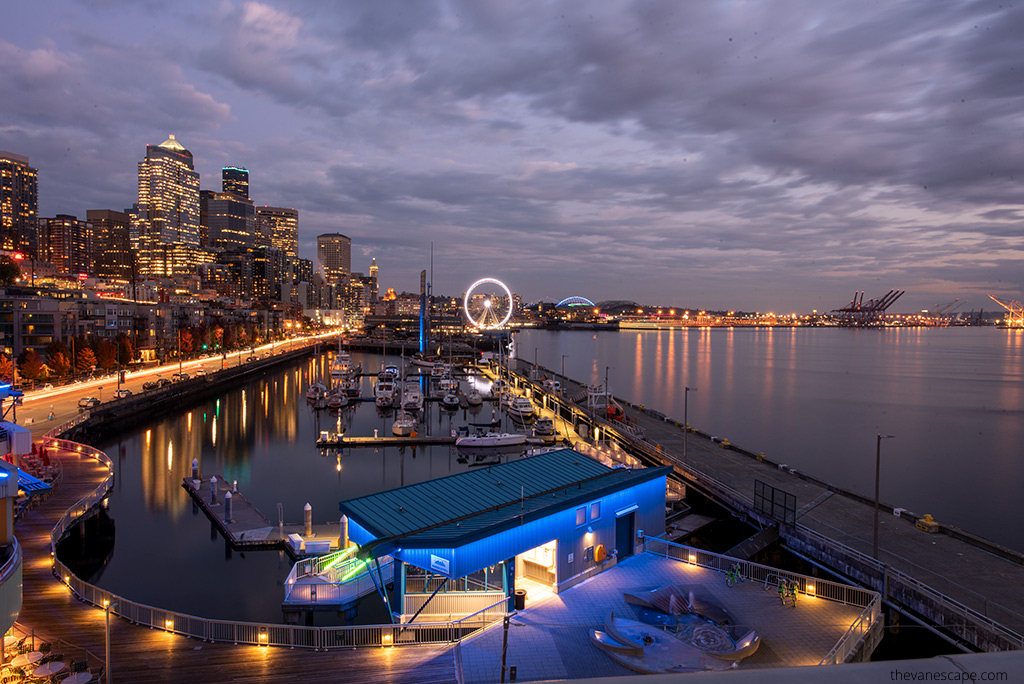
{"x":488,"y":304}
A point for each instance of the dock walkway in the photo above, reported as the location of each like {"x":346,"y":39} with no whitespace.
{"x":146,"y":655}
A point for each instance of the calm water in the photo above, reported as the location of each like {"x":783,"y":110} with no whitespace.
{"x":812,"y":398}
{"x":815,"y":398}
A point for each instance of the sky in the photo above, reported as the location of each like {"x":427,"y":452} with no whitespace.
{"x":757,"y":156}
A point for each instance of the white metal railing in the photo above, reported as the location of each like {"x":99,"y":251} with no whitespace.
{"x":337,"y":592}
{"x":451,"y":604}
{"x":869,"y":601}
{"x":226,"y":631}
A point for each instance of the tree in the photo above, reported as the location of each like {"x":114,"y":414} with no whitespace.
{"x":6,"y":369}
{"x":85,"y":360}
{"x":10,"y":272}
{"x":30,"y":366}
{"x":185,"y":342}
{"x":106,"y":354}
{"x":125,"y":350}
{"x":58,"y":363}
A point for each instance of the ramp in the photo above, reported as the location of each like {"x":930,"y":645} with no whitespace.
{"x":759,"y":542}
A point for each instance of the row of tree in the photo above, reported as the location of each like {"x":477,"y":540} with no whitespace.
{"x":84,"y":354}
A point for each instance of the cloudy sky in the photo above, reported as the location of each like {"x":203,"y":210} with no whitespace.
{"x":772,"y":156}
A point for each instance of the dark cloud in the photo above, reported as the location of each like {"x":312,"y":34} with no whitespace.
{"x":719,"y":154}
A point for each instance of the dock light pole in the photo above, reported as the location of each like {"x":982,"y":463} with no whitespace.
{"x":106,"y":608}
{"x":686,"y":422}
{"x":878,"y":461}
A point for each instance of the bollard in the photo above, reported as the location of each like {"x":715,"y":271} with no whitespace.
{"x":195,"y":485}
{"x":343,"y":538}
{"x":234,"y":486}
{"x":195,"y":468}
{"x":227,"y":507}
{"x":213,"y":489}
{"x":307,"y":514}
{"x":375,"y":433}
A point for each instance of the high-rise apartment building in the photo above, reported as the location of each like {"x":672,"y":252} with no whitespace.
{"x":334,"y":252}
{"x":228,"y":220}
{"x":373,"y":285}
{"x":165,"y":226}
{"x":112,"y":244}
{"x":280,"y":227}
{"x":67,"y":243}
{"x":304,"y":270}
{"x":19,"y":202}
{"x":235,"y":179}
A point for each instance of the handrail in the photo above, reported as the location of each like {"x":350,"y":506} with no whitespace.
{"x":226,"y":631}
{"x":13,"y":561}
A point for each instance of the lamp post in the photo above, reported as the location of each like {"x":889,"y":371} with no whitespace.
{"x":106,"y":608}
{"x":686,"y":422}
{"x":564,"y":382}
{"x":878,"y":461}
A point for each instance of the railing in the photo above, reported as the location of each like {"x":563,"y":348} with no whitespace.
{"x":870,"y":601}
{"x":226,"y":631}
{"x":451,"y":604}
{"x":334,"y":592}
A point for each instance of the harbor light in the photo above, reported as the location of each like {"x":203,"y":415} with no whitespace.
{"x":387,"y":639}
{"x":810,"y":590}
{"x":693,"y":558}
{"x":169,"y":623}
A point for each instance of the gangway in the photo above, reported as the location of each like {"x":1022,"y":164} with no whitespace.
{"x":334,"y":581}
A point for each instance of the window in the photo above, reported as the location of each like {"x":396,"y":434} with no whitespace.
{"x":595,"y":510}
{"x":581,"y":516}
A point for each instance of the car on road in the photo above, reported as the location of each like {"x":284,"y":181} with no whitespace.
{"x":123,"y":393}
{"x":200,"y":372}
{"x":178,"y":377}
{"x":47,"y":386}
{"x":88,"y":402}
{"x":252,"y":358}
{"x":150,"y":385}
{"x":163,"y":382}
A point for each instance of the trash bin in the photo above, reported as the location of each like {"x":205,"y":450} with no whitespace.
{"x":520,"y":600}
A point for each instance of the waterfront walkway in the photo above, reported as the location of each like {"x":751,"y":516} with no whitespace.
{"x":144,"y":655}
{"x":968,"y":573}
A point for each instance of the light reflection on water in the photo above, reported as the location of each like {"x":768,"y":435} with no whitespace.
{"x":814,"y":398}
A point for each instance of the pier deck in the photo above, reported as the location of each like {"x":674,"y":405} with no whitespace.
{"x":249,"y":528}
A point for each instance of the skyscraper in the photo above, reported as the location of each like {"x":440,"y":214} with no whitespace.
{"x":235,"y":179}
{"x":229,"y":221}
{"x":111,"y":242}
{"x":67,"y":243}
{"x":334,"y":252}
{"x":165,"y":226}
{"x":19,"y":201}
{"x":281,"y":226}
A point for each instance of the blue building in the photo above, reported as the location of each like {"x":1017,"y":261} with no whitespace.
{"x":463,"y":540}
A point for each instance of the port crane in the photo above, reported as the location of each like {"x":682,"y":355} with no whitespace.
{"x":1015,"y":312}
{"x":858,"y":312}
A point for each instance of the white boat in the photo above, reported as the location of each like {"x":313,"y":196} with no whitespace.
{"x":384,"y":391}
{"x":341,"y":366}
{"x":440,"y":370}
{"x":350,"y":387}
{"x":391,"y":370}
{"x":450,"y":401}
{"x":316,"y":392}
{"x":520,"y":408}
{"x":490,"y":439}
{"x":474,"y":398}
{"x":337,"y":400}
{"x":404,"y":424}
{"x":412,"y":397}
{"x":418,"y":360}
{"x":544,"y":426}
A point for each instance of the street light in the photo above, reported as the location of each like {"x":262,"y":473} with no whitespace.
{"x":686,"y":422}
{"x":107,"y":606}
{"x":878,"y":461}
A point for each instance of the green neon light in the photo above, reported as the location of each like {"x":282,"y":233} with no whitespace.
{"x":342,"y":555}
{"x":356,"y":570}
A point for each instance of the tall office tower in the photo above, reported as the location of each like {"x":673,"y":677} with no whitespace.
{"x":304,"y":270}
{"x":269,"y":273}
{"x":165,"y":229}
{"x":281,"y":226}
{"x":235,"y":179}
{"x":334,"y":251}
{"x":112,"y":244}
{"x":67,"y":243}
{"x":373,"y":281}
{"x":229,"y":220}
{"x":19,"y":202}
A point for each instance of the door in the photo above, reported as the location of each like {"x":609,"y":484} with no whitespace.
{"x":624,"y":535}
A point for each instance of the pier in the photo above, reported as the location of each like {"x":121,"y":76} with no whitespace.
{"x":968,"y":590}
{"x":247,"y":528}
{"x":341,"y":442}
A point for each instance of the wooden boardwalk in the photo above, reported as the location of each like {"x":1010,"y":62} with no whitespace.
{"x":144,"y":655}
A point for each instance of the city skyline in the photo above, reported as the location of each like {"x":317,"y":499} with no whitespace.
{"x":773,"y":157}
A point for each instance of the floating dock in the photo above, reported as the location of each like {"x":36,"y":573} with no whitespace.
{"x":341,"y":442}
{"x":247,"y":528}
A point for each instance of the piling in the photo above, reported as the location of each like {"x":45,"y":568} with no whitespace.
{"x":308,"y":520}
{"x":343,"y":539}
{"x":213,"y":489}
{"x":195,"y":468}
{"x":227,"y":507}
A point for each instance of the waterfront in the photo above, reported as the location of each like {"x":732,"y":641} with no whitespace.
{"x":814,"y":398}
{"x":811,"y":398}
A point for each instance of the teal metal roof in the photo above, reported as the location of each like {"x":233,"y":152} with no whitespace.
{"x":454,"y":510}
